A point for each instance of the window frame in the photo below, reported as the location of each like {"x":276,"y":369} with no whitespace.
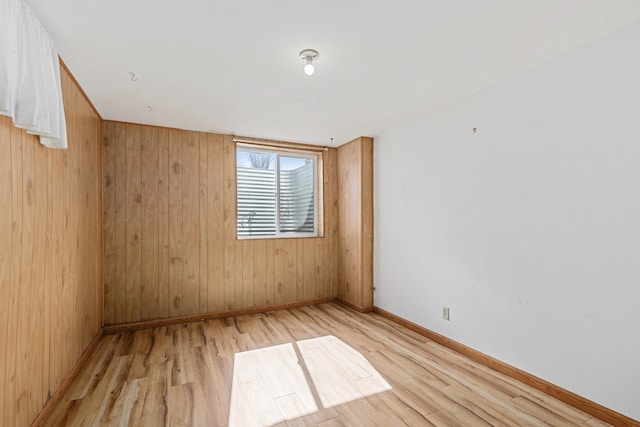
{"x":318,"y":197}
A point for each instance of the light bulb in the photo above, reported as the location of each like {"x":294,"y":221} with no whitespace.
{"x":308,"y":68}
{"x":309,"y":55}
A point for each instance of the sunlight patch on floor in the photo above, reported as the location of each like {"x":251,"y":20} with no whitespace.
{"x":288,"y":381}
{"x":340,"y":373}
{"x":269,"y":386}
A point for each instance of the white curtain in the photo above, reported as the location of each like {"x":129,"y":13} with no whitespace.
{"x":30,"y":89}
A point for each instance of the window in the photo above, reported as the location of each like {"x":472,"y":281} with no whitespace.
{"x":277,"y":192}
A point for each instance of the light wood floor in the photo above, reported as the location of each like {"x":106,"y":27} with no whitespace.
{"x":325,"y":365}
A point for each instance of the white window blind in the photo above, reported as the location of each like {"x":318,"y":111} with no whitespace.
{"x":276,"y":193}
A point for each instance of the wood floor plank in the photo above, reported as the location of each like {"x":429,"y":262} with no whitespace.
{"x":491,"y":411}
{"x":388,"y":401}
{"x":99,"y":361}
{"x":546,"y":414}
{"x":594,"y":422}
{"x":182,"y":411}
{"x":212,"y":383}
{"x":150,"y":406}
{"x":323,"y":365}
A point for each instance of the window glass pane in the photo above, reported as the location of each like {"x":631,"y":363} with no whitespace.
{"x":256,"y":181}
{"x":296,"y":201}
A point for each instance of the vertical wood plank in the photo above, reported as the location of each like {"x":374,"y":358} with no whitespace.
{"x":164,"y":260}
{"x":270,"y":281}
{"x":367,"y":223}
{"x":353,"y":242}
{"x":342,"y":175}
{"x":16,"y":252}
{"x":69,"y":290}
{"x":49,"y":278}
{"x":300,"y":266}
{"x":38,"y":266}
{"x":67,"y":285}
{"x":56,"y":159}
{"x":120,"y":223}
{"x":150,"y":223}
{"x":239,"y":275}
{"x":229,"y":195}
{"x":6,"y":171}
{"x":259,"y":281}
{"x":309,"y":265}
{"x":203,"y":262}
{"x":67,"y":261}
{"x":175,"y":222}
{"x":98,"y":228}
{"x":321,"y":289}
{"x":290,"y":272}
{"x":133,"y":224}
{"x":109,"y":165}
{"x":77,"y":229}
{"x":331,"y":211}
{"x":81,"y":294}
{"x":247,"y":273}
{"x":191,"y":230}
{"x":280,"y":271}
{"x":215,"y":215}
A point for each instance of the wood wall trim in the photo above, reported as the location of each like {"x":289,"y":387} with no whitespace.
{"x":57,"y":396}
{"x":128,"y":327}
{"x":601,"y":412}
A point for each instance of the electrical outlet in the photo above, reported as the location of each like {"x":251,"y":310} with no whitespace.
{"x":445,"y":313}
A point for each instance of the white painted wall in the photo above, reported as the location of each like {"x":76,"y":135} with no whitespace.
{"x":529,"y":230}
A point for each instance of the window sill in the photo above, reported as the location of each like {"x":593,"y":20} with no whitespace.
{"x":288,"y":236}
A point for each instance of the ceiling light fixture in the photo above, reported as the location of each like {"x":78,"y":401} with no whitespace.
{"x":309,"y":55}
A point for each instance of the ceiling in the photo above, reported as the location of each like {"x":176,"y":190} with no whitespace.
{"x":232,"y":66}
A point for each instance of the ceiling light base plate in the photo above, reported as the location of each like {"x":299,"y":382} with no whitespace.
{"x":309,"y":53}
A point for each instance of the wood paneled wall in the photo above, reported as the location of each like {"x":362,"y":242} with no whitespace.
{"x":50,"y":257}
{"x":170,"y":231}
{"x":355,"y":216}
